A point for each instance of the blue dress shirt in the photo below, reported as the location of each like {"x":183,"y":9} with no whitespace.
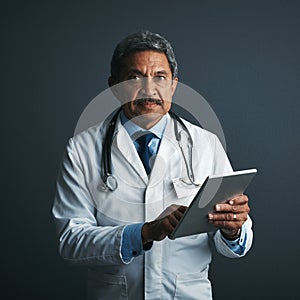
{"x":131,"y":244}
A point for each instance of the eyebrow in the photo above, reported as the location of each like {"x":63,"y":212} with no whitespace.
{"x":163,"y":72}
{"x":135,"y":71}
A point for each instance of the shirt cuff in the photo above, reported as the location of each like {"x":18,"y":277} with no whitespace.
{"x":238,"y":245}
{"x":132,"y":245}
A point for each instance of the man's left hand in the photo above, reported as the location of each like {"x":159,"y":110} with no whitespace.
{"x":230,"y":216}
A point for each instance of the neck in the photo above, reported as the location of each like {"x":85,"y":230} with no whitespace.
{"x":146,"y":121}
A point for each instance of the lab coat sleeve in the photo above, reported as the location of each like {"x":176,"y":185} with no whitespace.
{"x":80,"y":239}
{"x":222,"y":165}
{"x":225,"y":250}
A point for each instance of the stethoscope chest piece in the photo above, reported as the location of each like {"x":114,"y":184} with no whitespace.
{"x":110,"y":184}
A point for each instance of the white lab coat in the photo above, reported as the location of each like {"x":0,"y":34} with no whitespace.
{"x":90,"y":221}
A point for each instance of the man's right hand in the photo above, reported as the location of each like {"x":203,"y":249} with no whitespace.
{"x":165,"y":223}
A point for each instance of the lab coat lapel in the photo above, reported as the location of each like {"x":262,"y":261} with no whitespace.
{"x":167,"y":154}
{"x":125,"y":145}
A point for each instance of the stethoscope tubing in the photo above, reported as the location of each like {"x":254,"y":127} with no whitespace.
{"x":109,"y":181}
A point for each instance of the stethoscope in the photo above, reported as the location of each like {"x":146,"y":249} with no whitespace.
{"x":110,"y":182}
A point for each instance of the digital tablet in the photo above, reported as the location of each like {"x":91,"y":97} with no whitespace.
{"x":215,"y":189}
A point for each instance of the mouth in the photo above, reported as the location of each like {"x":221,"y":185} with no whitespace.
{"x":147,"y":102}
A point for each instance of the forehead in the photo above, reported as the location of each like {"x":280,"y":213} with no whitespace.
{"x":147,"y":59}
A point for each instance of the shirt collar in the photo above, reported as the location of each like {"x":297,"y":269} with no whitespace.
{"x":132,"y":128}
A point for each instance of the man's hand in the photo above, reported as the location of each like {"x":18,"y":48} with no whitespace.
{"x":158,"y":229}
{"x":230,"y":216}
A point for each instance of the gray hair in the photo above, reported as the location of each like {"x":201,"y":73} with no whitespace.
{"x":142,"y":41}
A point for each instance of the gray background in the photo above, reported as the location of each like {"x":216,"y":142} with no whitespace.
{"x":242,"y":56}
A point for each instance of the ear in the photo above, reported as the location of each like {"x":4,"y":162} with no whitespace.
{"x":174,"y":85}
{"x":111,"y":81}
{"x":115,"y":87}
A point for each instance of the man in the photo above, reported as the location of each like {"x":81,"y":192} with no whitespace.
{"x":122,"y":235}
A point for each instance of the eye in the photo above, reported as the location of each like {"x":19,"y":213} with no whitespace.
{"x":135,"y":77}
{"x":161,"y":77}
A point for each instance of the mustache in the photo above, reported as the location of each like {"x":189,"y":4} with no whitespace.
{"x":148,"y":100}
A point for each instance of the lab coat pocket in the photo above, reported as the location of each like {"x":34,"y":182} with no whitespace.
{"x":106,"y":286}
{"x":181,"y":191}
{"x":193,"y":286}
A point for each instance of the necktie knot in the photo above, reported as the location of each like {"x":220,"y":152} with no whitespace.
{"x":144,"y":151}
{"x":145,"y":139}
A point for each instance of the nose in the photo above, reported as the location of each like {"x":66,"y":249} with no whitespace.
{"x":148,"y":88}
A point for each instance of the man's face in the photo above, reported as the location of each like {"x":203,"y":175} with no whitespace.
{"x":147,"y":87}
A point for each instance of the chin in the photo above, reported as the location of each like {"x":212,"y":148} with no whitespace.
{"x":147,"y":119}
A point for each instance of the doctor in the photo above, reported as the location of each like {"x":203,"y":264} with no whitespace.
{"x":121,"y":234}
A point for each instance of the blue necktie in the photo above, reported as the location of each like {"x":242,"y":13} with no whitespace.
{"x":144,"y":151}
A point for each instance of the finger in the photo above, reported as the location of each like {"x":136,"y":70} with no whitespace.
{"x":227,"y":217}
{"x":182,"y":209}
{"x":169,"y":210}
{"x":168,"y":224}
{"x":173,"y":220}
{"x":238,"y":200}
{"x":174,"y":207}
{"x":224,"y":207}
{"x":178,"y":214}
